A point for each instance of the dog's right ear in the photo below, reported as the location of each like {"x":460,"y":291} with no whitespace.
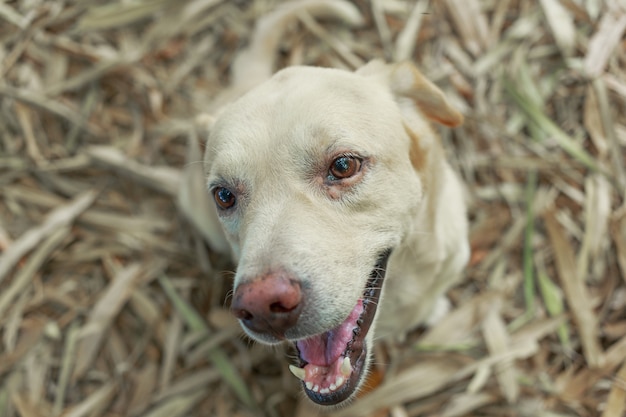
{"x":193,"y":197}
{"x":405,"y":80}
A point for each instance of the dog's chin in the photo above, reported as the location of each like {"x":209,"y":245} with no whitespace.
{"x":334,"y":364}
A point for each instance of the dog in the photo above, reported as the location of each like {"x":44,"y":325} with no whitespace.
{"x":333,"y":194}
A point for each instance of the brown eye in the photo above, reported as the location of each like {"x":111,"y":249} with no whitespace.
{"x":224,"y":198}
{"x":344,"y":167}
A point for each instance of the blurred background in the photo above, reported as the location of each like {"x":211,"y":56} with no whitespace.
{"x":111,"y":304}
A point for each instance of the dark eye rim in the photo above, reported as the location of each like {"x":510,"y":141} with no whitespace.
{"x":355,"y":169}
{"x":220,"y":203}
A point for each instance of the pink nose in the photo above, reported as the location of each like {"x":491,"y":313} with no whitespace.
{"x":269,"y":304}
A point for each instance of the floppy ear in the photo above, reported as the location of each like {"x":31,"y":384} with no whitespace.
{"x":405,"y":80}
{"x":193,"y":197}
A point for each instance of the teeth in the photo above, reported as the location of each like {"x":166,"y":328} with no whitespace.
{"x":297,"y":372}
{"x":345,"y":370}
{"x":346,"y":367}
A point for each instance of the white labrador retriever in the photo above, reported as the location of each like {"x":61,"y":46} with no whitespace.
{"x":334,"y":195}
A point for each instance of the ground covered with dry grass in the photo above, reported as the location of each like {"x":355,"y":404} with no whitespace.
{"x":112,"y":305}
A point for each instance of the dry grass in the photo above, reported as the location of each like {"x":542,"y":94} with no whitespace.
{"x":111,"y":305}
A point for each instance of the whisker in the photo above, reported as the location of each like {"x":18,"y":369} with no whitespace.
{"x":190,"y":163}
{"x":228,"y":296}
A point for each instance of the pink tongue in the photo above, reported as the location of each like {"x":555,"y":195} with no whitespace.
{"x":325,"y":349}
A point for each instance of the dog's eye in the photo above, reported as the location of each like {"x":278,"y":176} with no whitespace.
{"x":344,"y":167}
{"x":224,"y":198}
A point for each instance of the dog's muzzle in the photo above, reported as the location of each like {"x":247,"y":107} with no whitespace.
{"x":333,"y":364}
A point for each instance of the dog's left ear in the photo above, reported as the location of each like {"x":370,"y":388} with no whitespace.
{"x":405,"y":80}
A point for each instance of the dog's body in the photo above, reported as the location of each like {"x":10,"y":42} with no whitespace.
{"x":323,"y":180}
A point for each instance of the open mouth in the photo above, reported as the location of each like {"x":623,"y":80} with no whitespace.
{"x":332,"y":364}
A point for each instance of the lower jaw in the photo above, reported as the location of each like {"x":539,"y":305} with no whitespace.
{"x":348,"y":388}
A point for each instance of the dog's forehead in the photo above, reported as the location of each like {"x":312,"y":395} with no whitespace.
{"x":306,"y":95}
{"x":308,"y":82}
{"x":305,"y":109}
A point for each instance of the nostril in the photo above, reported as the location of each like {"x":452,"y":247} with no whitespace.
{"x":279,"y":307}
{"x":242,"y":314}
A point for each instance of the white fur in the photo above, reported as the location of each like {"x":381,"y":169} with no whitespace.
{"x":273,"y":147}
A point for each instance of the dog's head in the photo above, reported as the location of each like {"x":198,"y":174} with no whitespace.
{"x":317,"y":175}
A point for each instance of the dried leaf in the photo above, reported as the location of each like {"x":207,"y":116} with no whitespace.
{"x":25,"y":275}
{"x":52,"y":106}
{"x":616,"y":402}
{"x":597,"y":212}
{"x":217,"y":356}
{"x":177,"y":406}
{"x":602,"y":44}
{"x":561,"y":24}
{"x":68,"y":360}
{"x":405,"y":44}
{"x":575,"y":292}
{"x":464,"y":404}
{"x":112,"y":15}
{"x":457,"y":329}
{"x":145,"y":384}
{"x":95,"y":403}
{"x":547,"y":127}
{"x":417,"y":382}
{"x":618,"y":232}
{"x":101,"y":316}
{"x":497,"y":340}
{"x":470,"y":22}
{"x":59,"y":217}
{"x":163,"y":179}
